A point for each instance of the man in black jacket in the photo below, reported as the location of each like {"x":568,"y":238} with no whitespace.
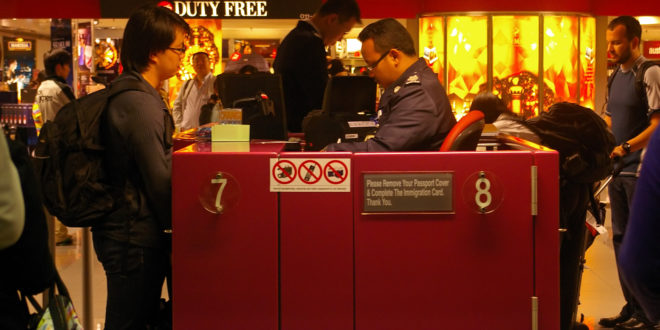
{"x":301,"y":58}
{"x":132,"y":243}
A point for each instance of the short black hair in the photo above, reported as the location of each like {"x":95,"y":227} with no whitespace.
{"x":54,"y":57}
{"x":149,"y":30}
{"x":633,"y":28}
{"x":345,"y":9}
{"x":248,"y":69}
{"x":389,"y":34}
{"x":491,"y":105}
{"x":202,"y":53}
{"x":336,"y":66}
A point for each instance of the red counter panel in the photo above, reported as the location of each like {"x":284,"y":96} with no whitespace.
{"x":225,"y":272}
{"x":546,"y":234}
{"x":464,"y":270}
{"x":315,"y":260}
{"x":316,"y":232}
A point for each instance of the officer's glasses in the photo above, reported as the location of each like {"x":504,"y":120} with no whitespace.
{"x":371,"y":68}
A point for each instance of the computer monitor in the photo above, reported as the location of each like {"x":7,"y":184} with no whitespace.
{"x":8,"y":97}
{"x":232,"y":87}
{"x":350,"y":94}
{"x":28,"y":95}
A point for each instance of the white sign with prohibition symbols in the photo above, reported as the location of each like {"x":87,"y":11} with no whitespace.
{"x":312,"y":175}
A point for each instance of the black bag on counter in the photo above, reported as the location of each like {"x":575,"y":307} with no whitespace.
{"x":259,"y":113}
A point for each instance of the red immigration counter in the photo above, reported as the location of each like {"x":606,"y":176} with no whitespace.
{"x":269,"y":239}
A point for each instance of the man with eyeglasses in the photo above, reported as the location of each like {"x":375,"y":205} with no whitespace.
{"x":301,"y":58}
{"x":132,"y":242}
{"x":414,"y":112}
{"x":194,"y":93}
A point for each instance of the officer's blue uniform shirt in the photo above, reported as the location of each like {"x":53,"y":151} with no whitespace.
{"x":414,"y":115}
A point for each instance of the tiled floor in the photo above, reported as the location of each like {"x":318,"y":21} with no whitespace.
{"x":70,"y":265}
{"x":600,"y":295}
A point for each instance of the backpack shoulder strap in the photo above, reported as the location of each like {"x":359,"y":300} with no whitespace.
{"x":640,"y":85}
{"x":66,"y":89}
{"x":126,"y":85}
{"x":609,"y":83}
{"x":112,"y":90}
{"x":185,"y":90}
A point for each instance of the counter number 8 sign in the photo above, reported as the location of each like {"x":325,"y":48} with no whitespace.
{"x":482,"y":192}
{"x":483,"y":197}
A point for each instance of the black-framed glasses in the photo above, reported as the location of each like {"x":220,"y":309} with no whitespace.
{"x":179,"y":51}
{"x":373,"y":66}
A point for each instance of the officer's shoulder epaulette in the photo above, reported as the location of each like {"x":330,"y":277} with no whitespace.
{"x":413,"y":79}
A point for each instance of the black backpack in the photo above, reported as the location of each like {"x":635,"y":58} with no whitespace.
{"x":581,"y":137}
{"x":69,"y":159}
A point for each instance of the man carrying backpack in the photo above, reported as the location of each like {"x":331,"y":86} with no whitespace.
{"x":52,"y":95}
{"x":633,"y":113}
{"x":131,"y":242}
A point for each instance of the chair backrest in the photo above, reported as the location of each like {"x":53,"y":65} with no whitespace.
{"x":464,"y":136}
{"x":350,"y":94}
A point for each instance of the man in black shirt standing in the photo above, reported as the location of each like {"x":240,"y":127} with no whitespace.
{"x":301,"y":58}
{"x":132,"y":242}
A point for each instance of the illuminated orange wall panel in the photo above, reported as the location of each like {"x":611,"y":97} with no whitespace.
{"x":587,"y":61}
{"x":432,"y":44}
{"x":560,"y":52}
{"x":516,"y":62}
{"x":511,"y":70}
{"x":467,"y":59}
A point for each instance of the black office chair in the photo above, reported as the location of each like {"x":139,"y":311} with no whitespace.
{"x":346,"y":99}
{"x":350,"y":95}
{"x":237,"y":90}
{"x":464,"y":136}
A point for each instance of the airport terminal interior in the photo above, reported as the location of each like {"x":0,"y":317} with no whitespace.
{"x":600,"y":293}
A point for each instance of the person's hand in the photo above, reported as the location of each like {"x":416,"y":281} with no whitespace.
{"x":618,"y":152}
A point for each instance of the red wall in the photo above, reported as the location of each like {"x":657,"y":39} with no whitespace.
{"x":50,"y":9}
{"x":370,"y":8}
{"x":390,"y":8}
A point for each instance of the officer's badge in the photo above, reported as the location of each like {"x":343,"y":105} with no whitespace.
{"x":414,"y":79}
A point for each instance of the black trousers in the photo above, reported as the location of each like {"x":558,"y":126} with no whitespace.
{"x":135,"y":277}
{"x":13,"y":311}
{"x":621,"y":195}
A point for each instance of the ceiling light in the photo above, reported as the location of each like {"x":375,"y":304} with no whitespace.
{"x":647,"y":20}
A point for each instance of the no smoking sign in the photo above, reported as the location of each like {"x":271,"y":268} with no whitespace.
{"x":311,"y":175}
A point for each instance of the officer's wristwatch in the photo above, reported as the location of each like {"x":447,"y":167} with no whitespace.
{"x":626,"y":147}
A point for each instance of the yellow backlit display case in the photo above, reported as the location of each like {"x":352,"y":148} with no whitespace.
{"x":516,"y":62}
{"x":467,"y":59}
{"x":560,"y":52}
{"x":432,"y":44}
{"x":587,"y":61}
{"x":530,"y":60}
